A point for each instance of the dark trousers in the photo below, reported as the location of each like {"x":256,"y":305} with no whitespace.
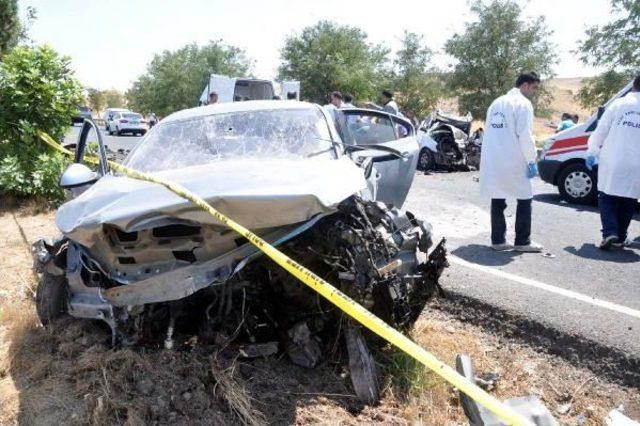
{"x":499,"y":224}
{"x":616,"y":214}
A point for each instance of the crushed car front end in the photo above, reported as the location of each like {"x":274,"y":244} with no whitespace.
{"x":146,"y":261}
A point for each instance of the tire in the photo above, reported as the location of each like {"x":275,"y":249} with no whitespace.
{"x":577,"y":184}
{"x":51,"y":297}
{"x":426,"y":160}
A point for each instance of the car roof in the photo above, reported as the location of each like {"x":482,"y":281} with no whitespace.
{"x":227,"y":107}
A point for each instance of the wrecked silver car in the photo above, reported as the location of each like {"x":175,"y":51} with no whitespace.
{"x":326,"y":188}
{"x":446,"y":142}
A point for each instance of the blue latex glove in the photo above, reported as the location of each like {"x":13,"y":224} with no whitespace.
{"x":532,"y":170}
{"x":591,"y":161}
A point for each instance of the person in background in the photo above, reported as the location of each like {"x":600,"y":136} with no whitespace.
{"x":152,"y":119}
{"x":566,"y":122}
{"x":616,"y":142}
{"x":292,"y":96}
{"x":507,"y":162}
{"x":388,"y":104}
{"x":348,"y":101}
{"x":335,"y":99}
{"x":335,"y":102}
{"x":411,"y":116}
{"x":575,"y":118}
{"x":213,"y":98}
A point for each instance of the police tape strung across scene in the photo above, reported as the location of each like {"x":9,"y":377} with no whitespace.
{"x":332,"y":294}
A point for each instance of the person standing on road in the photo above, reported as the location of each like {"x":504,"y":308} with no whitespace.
{"x":335,"y":103}
{"x":388,"y":104}
{"x":507,"y":162}
{"x":616,"y":141}
{"x":152,"y":119}
{"x":348,"y":101}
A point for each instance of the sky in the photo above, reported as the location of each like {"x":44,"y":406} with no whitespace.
{"x":111,"y":41}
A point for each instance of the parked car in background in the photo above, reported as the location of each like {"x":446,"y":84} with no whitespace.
{"x":108,"y":115}
{"x":82,"y":113}
{"x":562,"y":159}
{"x":121,"y":122}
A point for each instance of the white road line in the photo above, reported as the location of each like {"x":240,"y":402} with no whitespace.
{"x":547,"y":287}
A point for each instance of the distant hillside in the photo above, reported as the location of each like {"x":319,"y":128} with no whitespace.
{"x":564,"y":91}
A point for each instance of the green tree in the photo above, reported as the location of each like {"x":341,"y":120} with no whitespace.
{"x":96,"y":99}
{"x":327,"y":57}
{"x":10,"y":25}
{"x":417,"y":83}
{"x":174,"y":80}
{"x":113,"y":98}
{"x":615,"y":45}
{"x":598,"y":90}
{"x":12,"y":30}
{"x":37,"y":91}
{"x":493,"y":50}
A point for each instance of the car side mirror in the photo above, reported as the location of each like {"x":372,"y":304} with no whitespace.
{"x":600,"y":112}
{"x":78,"y":176}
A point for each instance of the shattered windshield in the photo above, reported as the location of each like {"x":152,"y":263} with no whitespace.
{"x":281,"y":133}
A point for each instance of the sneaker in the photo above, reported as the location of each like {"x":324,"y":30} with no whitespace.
{"x":501,"y":247}
{"x":620,"y":244}
{"x":608,"y":242}
{"x":529,"y":248}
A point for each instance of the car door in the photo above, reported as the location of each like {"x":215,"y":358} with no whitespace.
{"x":367,"y":127}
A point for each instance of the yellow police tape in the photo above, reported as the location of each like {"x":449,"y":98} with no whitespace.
{"x":335,"y":296}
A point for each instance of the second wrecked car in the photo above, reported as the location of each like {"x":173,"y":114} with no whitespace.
{"x":446,"y":142}
{"x":326,"y":188}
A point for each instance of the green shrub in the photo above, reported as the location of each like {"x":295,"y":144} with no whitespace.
{"x":37,"y":91}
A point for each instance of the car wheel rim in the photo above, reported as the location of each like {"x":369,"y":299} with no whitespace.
{"x":578,"y":184}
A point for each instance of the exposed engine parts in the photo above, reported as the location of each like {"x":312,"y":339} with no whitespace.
{"x":376,"y":255}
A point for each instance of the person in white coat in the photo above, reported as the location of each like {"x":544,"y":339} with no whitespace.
{"x":507,"y":163}
{"x":616,"y":141}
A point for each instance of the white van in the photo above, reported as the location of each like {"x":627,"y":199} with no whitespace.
{"x":234,"y":89}
{"x":562,"y":160}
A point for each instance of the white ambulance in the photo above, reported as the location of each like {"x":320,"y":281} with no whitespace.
{"x":234,"y":89}
{"x":562,"y":160}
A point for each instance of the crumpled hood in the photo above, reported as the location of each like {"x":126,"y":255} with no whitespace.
{"x":257,"y":193}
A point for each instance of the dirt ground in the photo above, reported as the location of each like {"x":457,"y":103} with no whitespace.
{"x":70,"y":375}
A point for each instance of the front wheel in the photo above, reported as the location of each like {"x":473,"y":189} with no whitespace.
{"x":577,"y":184}
{"x":51,"y":297}
{"x":426,"y":160}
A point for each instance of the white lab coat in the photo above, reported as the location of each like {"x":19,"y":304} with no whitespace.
{"x":617,"y":142}
{"x":507,"y":147}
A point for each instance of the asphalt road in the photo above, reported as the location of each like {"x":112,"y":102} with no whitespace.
{"x":534,"y":285}
{"x":114,"y":143}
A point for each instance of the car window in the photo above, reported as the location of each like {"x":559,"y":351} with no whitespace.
{"x":402,"y":129}
{"x":367,"y":129}
{"x":281,"y":133}
{"x":132,"y":116}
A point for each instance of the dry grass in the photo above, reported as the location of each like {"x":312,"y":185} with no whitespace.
{"x":70,"y":375}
